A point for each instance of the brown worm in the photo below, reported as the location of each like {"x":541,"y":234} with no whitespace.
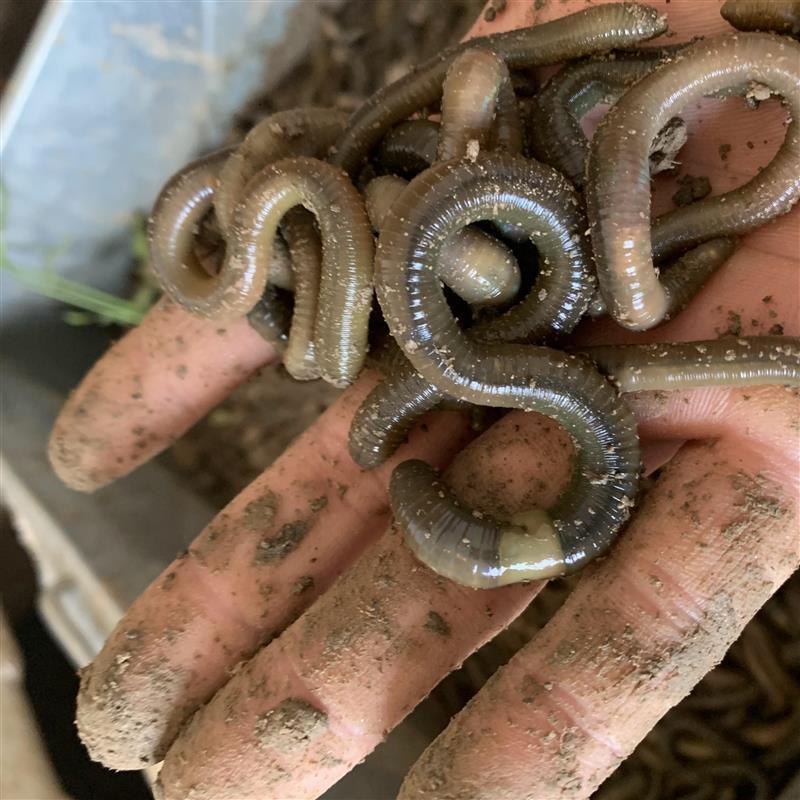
{"x":465,"y":547}
{"x":408,"y":148}
{"x":780,"y":16}
{"x":683,"y":278}
{"x":593,"y":30}
{"x":618,"y":188}
{"x":555,"y":135}
{"x":476,"y":266}
{"x":297,"y":132}
{"x":716,"y":362}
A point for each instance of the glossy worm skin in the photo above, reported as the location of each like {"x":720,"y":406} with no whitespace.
{"x":183,"y":202}
{"x":683,"y":278}
{"x":554,"y":304}
{"x":476,"y":266}
{"x":780,"y":16}
{"x":297,"y":132}
{"x":716,"y":362}
{"x":618,"y":187}
{"x":482,"y":552}
{"x":469,"y":101}
{"x":555,"y":136}
{"x":408,"y":148}
{"x":305,"y":249}
{"x":585,"y":520}
{"x":344,"y":303}
{"x":593,"y":30}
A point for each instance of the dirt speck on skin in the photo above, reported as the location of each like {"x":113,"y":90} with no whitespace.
{"x":725,"y":151}
{"x":291,"y":724}
{"x":259,"y":514}
{"x":318,"y":503}
{"x":437,"y":624}
{"x":274,"y":548}
{"x":691,"y":189}
{"x":494,"y":8}
{"x":303,"y":584}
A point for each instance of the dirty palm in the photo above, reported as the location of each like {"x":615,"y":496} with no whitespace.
{"x":352,"y":557}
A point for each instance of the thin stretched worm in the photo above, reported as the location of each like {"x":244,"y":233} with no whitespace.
{"x":476,"y":266}
{"x":555,"y":135}
{"x":305,"y":249}
{"x":618,"y":188}
{"x":688,"y":365}
{"x":590,"y":31}
{"x":683,"y":278}
{"x":779,"y":16}
{"x":478,"y":551}
{"x":297,"y":132}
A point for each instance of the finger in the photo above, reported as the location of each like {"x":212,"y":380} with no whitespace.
{"x":389,"y":629}
{"x":264,"y":559}
{"x":709,"y":545}
{"x":148,"y":389}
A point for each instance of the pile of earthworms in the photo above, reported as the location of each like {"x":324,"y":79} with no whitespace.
{"x":498,"y":229}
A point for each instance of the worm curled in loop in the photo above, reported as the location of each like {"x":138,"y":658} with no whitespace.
{"x":618,"y":187}
{"x":297,"y":132}
{"x":478,"y":267}
{"x":585,"y":520}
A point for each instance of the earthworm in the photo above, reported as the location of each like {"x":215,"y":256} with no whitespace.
{"x":780,"y":16}
{"x":683,"y":278}
{"x":345,"y":296}
{"x":305,"y":249}
{"x":476,"y":266}
{"x":182,"y":204}
{"x":555,"y":135}
{"x":408,"y":148}
{"x":297,"y":132}
{"x":471,"y":550}
{"x":478,"y":105}
{"x":716,"y":362}
{"x":271,"y":316}
{"x":393,"y":407}
{"x":469,"y":101}
{"x":618,"y":186}
{"x":181,"y":207}
{"x":592,"y":30}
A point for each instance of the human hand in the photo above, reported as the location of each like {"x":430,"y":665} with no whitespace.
{"x":710,"y":543}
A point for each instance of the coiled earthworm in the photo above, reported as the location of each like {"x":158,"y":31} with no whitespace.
{"x":441,"y":200}
{"x":478,"y":551}
{"x":297,"y":132}
{"x":780,"y":16}
{"x":408,"y":148}
{"x":590,"y":31}
{"x":345,"y":296}
{"x":716,"y":362}
{"x":476,"y":266}
{"x":181,"y":205}
{"x":683,"y":278}
{"x":555,"y":135}
{"x":618,"y":187}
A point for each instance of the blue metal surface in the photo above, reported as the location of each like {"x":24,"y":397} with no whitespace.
{"x":110,"y":98}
